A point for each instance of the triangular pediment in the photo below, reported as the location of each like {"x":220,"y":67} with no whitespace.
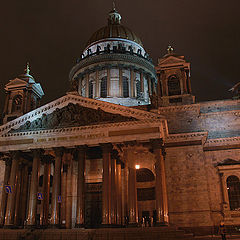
{"x":74,"y":110}
{"x":72,"y":115}
{"x":171,"y":60}
{"x":17,"y":82}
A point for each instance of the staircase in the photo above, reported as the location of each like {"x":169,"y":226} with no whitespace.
{"x":154,"y":233}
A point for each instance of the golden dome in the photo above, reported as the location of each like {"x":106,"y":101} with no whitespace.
{"x":114,"y":29}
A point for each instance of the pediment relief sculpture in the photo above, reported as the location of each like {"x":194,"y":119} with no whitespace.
{"x":72,"y":115}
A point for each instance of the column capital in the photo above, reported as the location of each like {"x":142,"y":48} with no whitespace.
{"x":37,"y":152}
{"x":8,"y":161}
{"x":81,"y":148}
{"x":106,"y":147}
{"x":15,"y":154}
{"x":47,"y":158}
{"x":157,"y":143}
{"x":58,"y":151}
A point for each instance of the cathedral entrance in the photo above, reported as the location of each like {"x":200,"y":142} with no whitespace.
{"x":93,"y":205}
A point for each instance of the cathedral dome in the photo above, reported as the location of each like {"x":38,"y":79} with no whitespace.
{"x":114,"y":30}
{"x":114,"y":67}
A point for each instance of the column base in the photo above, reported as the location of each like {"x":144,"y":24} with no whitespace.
{"x":110,"y":226}
{"x":132,"y":225}
{"x":54,"y":226}
{"x":161,"y":224}
{"x":30,"y":226}
{"x":10,"y":226}
{"x":79,"y":225}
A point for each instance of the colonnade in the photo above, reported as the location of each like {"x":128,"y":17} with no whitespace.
{"x":133,"y":91}
{"x":119,"y":192}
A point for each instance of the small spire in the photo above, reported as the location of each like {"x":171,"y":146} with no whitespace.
{"x":114,"y":17}
{"x":170,"y":49}
{"x":27,"y":69}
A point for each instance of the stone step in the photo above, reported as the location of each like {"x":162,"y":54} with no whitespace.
{"x":164,"y":233}
{"x":216,"y":237}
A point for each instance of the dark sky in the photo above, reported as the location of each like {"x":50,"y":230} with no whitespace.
{"x":51,"y":34}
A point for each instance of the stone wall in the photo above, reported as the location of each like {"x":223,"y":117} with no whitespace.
{"x":220,"y":118}
{"x":187,"y":186}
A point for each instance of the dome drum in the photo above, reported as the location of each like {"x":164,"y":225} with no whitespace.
{"x":119,"y":84}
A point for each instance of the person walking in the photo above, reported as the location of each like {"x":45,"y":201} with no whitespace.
{"x":222,"y":230}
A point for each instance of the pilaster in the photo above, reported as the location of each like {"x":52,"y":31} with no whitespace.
{"x":160,"y":188}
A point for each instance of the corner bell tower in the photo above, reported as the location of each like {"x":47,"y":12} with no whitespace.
{"x":174,"y":87}
{"x":23,"y":95}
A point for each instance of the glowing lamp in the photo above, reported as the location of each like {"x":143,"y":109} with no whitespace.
{"x":137,"y":166}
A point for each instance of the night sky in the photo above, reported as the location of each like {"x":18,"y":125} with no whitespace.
{"x":51,"y":35}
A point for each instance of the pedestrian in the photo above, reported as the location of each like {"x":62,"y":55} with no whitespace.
{"x":222,"y":230}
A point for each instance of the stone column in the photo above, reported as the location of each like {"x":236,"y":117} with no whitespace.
{"x":160,"y":188}
{"x":64,"y":192}
{"x":142,"y":82}
{"x":47,"y":159}
{"x":6,"y":103}
{"x":188,"y":81}
{"x":113,"y":192}
{"x":97,"y":93}
{"x":132,"y":81}
{"x":18,"y":195}
{"x":80,"y":186}
{"x":11,"y":196}
{"x":225,"y":203}
{"x":132,"y":197}
{"x":119,"y":194}
{"x":120,"y":83}
{"x":24,"y":101}
{"x":125,"y":193}
{"x":149,"y":86}
{"x":54,"y":220}
{"x":87,"y":85}
{"x":108,"y":81}
{"x":69,"y":191}
{"x":106,"y":150}
{"x":32,"y":204}
{"x":24,"y":194}
{"x":184,"y":81}
{"x":8,"y":163}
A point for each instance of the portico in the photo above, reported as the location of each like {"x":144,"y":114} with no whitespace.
{"x":79,"y":166}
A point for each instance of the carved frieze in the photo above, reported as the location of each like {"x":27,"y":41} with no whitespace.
{"x":70,"y":116}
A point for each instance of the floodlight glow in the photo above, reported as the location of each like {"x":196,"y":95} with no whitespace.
{"x":137,"y":166}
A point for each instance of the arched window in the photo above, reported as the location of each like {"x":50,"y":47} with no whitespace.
{"x":17,"y":103}
{"x":147,"y":193}
{"x":138,"y":88}
{"x":90,"y":92}
{"x":174,"y":86}
{"x":233,"y":186}
{"x":144,"y":175}
{"x":125,"y":86}
{"x":103,"y":92}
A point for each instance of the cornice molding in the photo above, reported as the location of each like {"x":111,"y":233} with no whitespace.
{"x":126,"y":58}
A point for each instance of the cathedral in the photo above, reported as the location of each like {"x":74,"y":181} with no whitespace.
{"x":126,"y":146}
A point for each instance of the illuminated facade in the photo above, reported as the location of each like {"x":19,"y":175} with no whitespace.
{"x":127,"y":145}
